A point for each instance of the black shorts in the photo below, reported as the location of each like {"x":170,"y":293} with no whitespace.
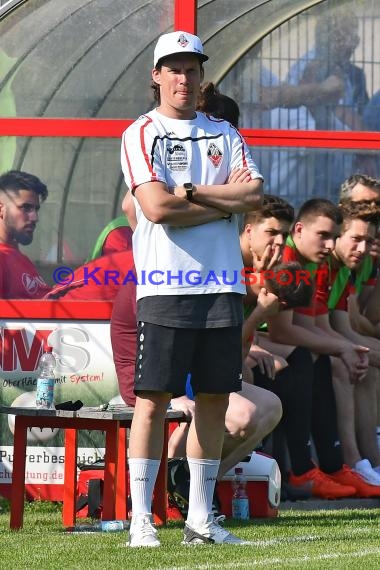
{"x":166,"y":355}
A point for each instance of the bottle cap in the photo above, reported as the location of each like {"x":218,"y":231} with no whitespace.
{"x":48,"y":348}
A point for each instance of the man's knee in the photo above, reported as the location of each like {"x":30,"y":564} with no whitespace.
{"x":152,"y":403}
{"x":252,"y":418}
{"x":211,"y":404}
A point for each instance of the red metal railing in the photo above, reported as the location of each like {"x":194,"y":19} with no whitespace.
{"x":113,"y":128}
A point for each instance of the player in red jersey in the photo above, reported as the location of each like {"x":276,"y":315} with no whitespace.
{"x":21,"y":195}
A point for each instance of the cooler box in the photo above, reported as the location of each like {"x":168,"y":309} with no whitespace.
{"x":263,"y":486}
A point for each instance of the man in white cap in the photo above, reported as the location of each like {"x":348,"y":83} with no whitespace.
{"x":190,"y":175}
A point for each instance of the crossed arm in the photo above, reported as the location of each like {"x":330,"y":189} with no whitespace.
{"x":162,"y":205}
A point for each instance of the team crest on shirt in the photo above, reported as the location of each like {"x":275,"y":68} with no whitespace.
{"x":32,"y":283}
{"x":182,"y":41}
{"x":214,"y":154}
{"x":176,"y":158}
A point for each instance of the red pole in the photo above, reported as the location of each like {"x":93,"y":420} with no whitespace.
{"x":185,"y":15}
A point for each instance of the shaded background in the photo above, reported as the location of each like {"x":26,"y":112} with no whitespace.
{"x":92,"y":58}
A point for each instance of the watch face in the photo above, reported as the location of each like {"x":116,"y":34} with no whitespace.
{"x":188,"y":185}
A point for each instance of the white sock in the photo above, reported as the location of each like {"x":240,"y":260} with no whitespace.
{"x":142,"y":477}
{"x":203,"y":474}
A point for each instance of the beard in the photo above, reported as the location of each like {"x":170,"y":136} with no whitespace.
{"x":21,"y":236}
{"x":24,"y":238}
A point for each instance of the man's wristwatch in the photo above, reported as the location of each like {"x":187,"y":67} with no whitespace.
{"x":190,"y":189}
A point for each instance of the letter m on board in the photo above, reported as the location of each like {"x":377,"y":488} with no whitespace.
{"x":15,"y":347}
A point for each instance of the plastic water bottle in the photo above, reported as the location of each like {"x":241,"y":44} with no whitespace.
{"x":113,"y":526}
{"x":101,"y":526}
{"x":46,"y":380}
{"x":240,"y":501}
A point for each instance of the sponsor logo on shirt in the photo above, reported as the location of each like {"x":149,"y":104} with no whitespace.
{"x":176,"y":158}
{"x":214,"y":154}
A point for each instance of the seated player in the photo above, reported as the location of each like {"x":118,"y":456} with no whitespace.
{"x":312,"y":240}
{"x":347,"y":276}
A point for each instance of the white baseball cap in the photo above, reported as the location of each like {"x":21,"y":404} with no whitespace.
{"x":178,"y":42}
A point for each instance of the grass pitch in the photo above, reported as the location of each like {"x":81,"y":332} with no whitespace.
{"x":347,"y":538}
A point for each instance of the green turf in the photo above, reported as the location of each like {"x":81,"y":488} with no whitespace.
{"x":296,"y":539}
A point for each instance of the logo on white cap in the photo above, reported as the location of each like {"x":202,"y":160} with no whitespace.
{"x":182,"y":40}
{"x":178,"y":42}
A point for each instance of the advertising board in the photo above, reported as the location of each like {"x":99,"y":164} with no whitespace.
{"x":85,"y":371}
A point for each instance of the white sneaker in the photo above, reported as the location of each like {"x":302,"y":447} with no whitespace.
{"x":142,"y":532}
{"x":210,"y":533}
{"x":364,"y":469}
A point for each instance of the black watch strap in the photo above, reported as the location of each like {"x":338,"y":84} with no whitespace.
{"x":190,"y":189}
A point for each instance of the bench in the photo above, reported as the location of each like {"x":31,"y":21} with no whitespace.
{"x":114,"y":423}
